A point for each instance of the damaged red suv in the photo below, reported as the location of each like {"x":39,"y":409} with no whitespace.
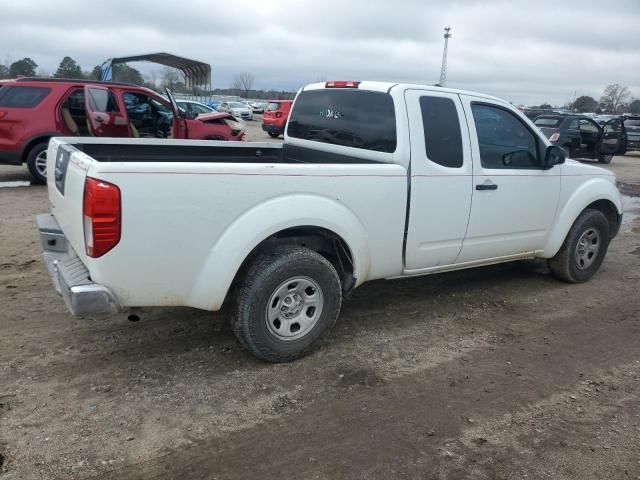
{"x":32,"y":110}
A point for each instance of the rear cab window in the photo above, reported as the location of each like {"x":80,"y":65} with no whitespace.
{"x":22,"y":96}
{"x":347,"y":117}
{"x":442,"y":136}
{"x":547,"y":122}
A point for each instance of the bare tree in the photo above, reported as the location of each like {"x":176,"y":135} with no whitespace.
{"x":243,"y":82}
{"x":614,"y":97}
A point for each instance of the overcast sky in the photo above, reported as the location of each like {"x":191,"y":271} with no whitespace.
{"x":523,"y":51}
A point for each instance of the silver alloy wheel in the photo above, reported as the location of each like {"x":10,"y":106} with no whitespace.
{"x":41,"y":163}
{"x":294,"y":308}
{"x":587,"y":248}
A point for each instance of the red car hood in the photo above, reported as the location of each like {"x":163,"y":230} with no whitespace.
{"x":204,"y":117}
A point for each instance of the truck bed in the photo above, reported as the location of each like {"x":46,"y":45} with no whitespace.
{"x":212,"y":152}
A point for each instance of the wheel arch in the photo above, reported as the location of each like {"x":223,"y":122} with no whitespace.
{"x":33,"y":141}
{"x":319,"y":223}
{"x":598,"y":194}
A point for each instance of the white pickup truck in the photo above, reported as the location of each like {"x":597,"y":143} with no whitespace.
{"x":374,"y":180}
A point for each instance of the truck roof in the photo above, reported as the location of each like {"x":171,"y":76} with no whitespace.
{"x":386,"y":87}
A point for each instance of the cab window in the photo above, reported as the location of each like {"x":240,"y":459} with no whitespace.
{"x":504,"y":140}
{"x":442,"y":136}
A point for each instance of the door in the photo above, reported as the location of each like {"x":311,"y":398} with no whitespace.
{"x":104,"y":118}
{"x":590,"y":137}
{"x":612,"y":137}
{"x":179,"y":127}
{"x":441,"y":181}
{"x":573,"y":135}
{"x":514,"y":196}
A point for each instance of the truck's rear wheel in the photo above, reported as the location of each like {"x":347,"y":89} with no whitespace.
{"x":605,"y":158}
{"x":288,"y":300}
{"x":584,"y":248}
{"x":37,"y":162}
{"x":274,"y":134}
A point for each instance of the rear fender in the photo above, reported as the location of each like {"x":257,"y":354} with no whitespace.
{"x":589,"y":192}
{"x":261,"y":222}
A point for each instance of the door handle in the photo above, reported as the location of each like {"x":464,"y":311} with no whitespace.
{"x":486,"y":186}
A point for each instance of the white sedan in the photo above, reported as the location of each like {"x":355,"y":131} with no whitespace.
{"x":237,"y":109}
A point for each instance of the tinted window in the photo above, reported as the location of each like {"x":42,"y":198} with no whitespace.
{"x":547,"y":122}
{"x":273,"y":106}
{"x":22,"y":97}
{"x":573,"y":124}
{"x":505,"y":142}
{"x":101,"y":100}
{"x":442,"y":136}
{"x":351,"y":118}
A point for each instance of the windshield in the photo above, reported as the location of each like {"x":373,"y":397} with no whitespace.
{"x":547,"y":122}
{"x":237,"y":105}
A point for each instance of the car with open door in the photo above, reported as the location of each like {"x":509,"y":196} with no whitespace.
{"x":582,"y":137}
{"x":33,"y":110}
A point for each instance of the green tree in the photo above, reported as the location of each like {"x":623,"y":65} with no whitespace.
{"x":585,"y":103}
{"x":95,"y":73}
{"x":25,"y":68}
{"x":124,"y":73}
{"x":4,"y":71}
{"x":634,"y":107}
{"x":68,"y":68}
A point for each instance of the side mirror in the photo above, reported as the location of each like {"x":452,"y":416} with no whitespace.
{"x":554,"y":156}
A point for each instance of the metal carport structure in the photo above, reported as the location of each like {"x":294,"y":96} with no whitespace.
{"x":196,"y":73}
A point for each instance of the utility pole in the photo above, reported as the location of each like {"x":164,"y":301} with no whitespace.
{"x":443,"y":69}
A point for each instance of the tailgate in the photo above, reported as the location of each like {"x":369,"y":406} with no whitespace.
{"x":66,"y":172}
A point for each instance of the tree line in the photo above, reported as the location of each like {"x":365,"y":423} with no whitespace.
{"x":615,"y":99}
{"x":156,"y":80}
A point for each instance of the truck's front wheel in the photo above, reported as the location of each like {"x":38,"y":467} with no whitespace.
{"x":584,"y":248}
{"x":288,"y":300}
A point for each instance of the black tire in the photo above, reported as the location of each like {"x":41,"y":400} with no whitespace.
{"x":32,"y":159}
{"x":605,"y":159}
{"x":566,"y":265}
{"x":262,"y":280}
{"x":274,"y":134}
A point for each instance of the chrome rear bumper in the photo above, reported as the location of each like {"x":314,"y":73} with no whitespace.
{"x":69,"y":275}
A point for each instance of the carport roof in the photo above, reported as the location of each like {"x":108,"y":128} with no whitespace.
{"x":196,"y":73}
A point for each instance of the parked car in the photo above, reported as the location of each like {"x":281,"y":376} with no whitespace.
{"x":32,"y":110}
{"x":374,"y":180}
{"x":195,"y":107}
{"x":258,"y":107}
{"x":275,"y":117}
{"x":237,"y":109}
{"x":632,"y":127}
{"x":582,"y":137}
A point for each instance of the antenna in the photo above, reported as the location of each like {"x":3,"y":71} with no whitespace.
{"x":443,"y":69}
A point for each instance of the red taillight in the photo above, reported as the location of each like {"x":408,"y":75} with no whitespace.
{"x":554,"y":137}
{"x":342,"y":84}
{"x":101,"y":216}
{"x":278,"y":114}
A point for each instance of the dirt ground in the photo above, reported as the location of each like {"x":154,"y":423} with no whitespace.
{"x":498,"y":372}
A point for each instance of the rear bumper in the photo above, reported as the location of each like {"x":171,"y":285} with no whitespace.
{"x":269,"y":128}
{"x":9,"y":157}
{"x":69,"y":275}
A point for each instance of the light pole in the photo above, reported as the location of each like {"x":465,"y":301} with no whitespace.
{"x":443,"y":69}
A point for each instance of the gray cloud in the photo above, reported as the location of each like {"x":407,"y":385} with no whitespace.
{"x":526,"y":52}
